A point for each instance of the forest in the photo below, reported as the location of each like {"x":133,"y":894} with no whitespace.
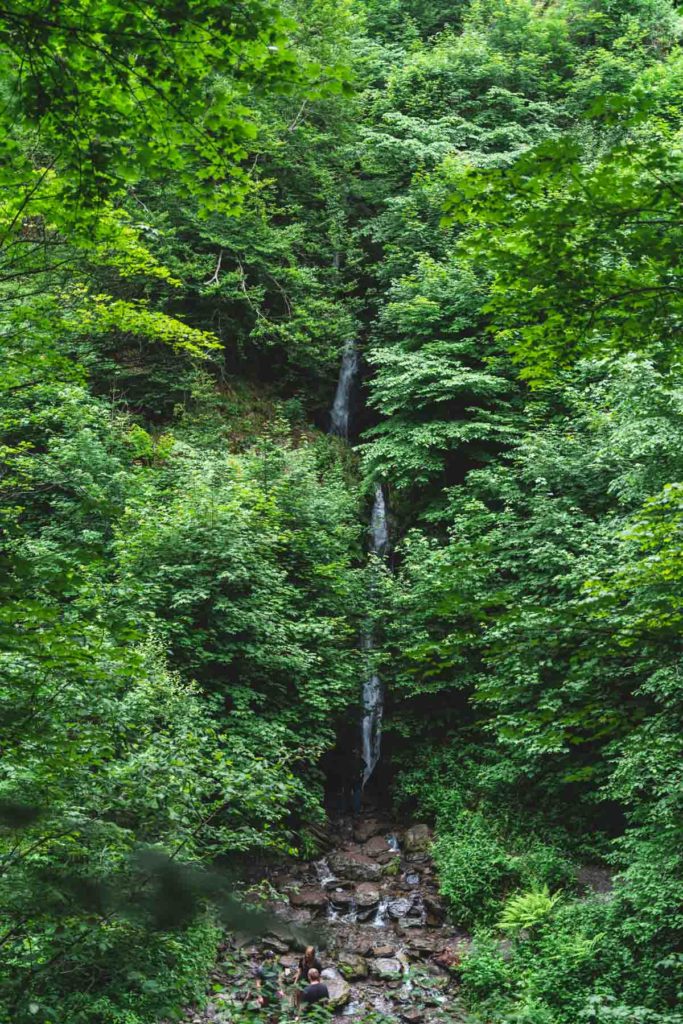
{"x":341,"y":360}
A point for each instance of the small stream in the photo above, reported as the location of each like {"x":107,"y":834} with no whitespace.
{"x":372,"y":707}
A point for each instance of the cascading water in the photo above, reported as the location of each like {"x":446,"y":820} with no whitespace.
{"x":341,"y":406}
{"x":373,"y":695}
{"x":379,"y":531}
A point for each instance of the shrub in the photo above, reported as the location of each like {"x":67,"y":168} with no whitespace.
{"x":474,"y":868}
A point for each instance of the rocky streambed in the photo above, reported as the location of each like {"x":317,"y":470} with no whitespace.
{"x":372,"y":909}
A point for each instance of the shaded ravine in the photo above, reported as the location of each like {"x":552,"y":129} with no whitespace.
{"x":371,"y":906}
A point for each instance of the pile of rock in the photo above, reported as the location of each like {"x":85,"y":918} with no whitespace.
{"x":373,"y":911}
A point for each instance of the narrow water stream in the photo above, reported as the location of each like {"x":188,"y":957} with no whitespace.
{"x":373,"y":691}
{"x":340,"y":413}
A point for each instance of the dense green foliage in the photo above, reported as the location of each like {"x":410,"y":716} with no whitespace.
{"x":201,"y":206}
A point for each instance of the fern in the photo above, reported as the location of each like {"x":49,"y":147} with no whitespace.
{"x":525,"y":910}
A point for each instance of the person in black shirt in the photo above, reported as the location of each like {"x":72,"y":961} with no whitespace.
{"x":315,"y":991}
{"x":308,"y":962}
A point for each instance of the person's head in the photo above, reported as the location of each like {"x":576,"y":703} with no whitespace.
{"x":313,"y":975}
{"x":310,"y":952}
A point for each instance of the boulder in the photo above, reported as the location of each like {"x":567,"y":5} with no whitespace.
{"x":387,"y":968}
{"x":276,"y":944}
{"x":400,"y":907}
{"x":308,"y":896}
{"x":341,"y":898}
{"x":355,"y":866}
{"x":422,"y":859}
{"x":383,"y":951}
{"x":366,"y":828}
{"x":417,"y":839}
{"x":367,"y":894}
{"x":377,"y":847}
{"x":405,"y":923}
{"x":448,"y":958}
{"x":338,"y":987}
{"x":423,"y":943}
{"x":435,"y":912}
{"x":290,"y":961}
{"x":353,"y":967}
{"x":412,"y":1015}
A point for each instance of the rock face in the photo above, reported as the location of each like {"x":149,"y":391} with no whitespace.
{"x":339,"y":989}
{"x":367,"y":894}
{"x":353,"y":967}
{"x":356,"y":866}
{"x":399,"y":908}
{"x":418,"y":839}
{"x":387,"y":968}
{"x":366,"y":828}
{"x":308,"y":897}
{"x":379,"y":849}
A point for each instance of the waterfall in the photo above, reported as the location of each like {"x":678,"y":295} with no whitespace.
{"x":341,"y":406}
{"x":373,"y":692}
{"x":379,"y":532}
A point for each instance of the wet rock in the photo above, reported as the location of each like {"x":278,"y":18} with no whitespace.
{"x":308,"y":896}
{"x":412,"y":1015}
{"x":354,"y":967}
{"x":276,"y":944}
{"x":448,"y":958}
{"x":367,"y":894}
{"x":338,"y":987}
{"x":297,"y":915}
{"x":289,"y":960}
{"x":342,"y":899}
{"x":355,"y":866}
{"x":387,"y":968}
{"x":435,"y":912}
{"x":367,"y":828}
{"x":422,"y":943}
{"x":411,"y":879}
{"x":417,"y":839}
{"x":399,"y":908}
{"x":377,"y":848}
{"x":410,"y":922}
{"x":383,"y":951}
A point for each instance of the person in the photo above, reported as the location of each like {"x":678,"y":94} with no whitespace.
{"x":268,"y":981}
{"x":315,"y":991}
{"x":308,"y":962}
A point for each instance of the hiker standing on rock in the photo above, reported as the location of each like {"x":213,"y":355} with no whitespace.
{"x":316,"y":991}
{"x":308,"y":964}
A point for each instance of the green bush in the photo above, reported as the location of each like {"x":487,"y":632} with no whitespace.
{"x":485,"y":972}
{"x":474,"y":868}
